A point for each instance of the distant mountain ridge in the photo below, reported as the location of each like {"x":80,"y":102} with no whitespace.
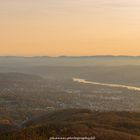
{"x":63,"y":56}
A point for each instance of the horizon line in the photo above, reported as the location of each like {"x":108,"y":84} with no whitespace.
{"x":66,"y":56}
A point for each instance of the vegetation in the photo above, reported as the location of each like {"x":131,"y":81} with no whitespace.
{"x":79,"y":123}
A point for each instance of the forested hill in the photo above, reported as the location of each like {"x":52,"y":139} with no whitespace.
{"x":80,"y":123}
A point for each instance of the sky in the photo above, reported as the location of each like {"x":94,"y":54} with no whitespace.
{"x":69,"y":27}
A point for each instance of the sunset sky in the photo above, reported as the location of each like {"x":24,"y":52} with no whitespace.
{"x":69,"y":27}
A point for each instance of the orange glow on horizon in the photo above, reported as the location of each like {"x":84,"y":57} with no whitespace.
{"x":70,"y":27}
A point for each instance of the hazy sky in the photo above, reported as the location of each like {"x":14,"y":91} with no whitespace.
{"x":69,"y":27}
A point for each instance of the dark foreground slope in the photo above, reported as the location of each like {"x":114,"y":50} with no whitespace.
{"x":7,"y":126}
{"x":79,"y":122}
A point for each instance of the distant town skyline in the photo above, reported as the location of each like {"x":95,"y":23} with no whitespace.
{"x":69,"y":27}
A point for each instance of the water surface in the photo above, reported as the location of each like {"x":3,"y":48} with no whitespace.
{"x":106,"y":84}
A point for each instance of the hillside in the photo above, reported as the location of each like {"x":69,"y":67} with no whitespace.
{"x":80,"y":123}
{"x":7,"y":125}
{"x":20,"y":95}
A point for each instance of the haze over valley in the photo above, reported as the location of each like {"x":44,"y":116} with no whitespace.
{"x":30,"y":87}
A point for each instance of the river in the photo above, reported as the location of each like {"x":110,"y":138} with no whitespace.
{"x":105,"y":84}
